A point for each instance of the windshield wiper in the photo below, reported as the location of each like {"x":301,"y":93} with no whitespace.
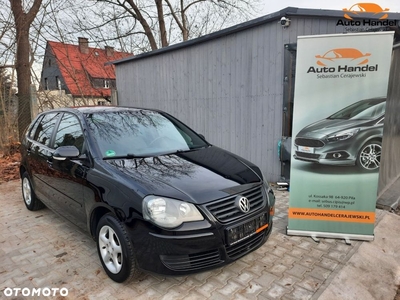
{"x":126,"y":156}
{"x":189,"y":150}
{"x":134,"y":156}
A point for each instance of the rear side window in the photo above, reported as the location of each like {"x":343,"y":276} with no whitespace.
{"x":34,"y":128}
{"x":45,"y":128}
{"x":69,"y":133}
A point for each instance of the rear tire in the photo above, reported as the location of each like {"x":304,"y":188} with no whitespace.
{"x":115,"y":249}
{"x":28,"y":194}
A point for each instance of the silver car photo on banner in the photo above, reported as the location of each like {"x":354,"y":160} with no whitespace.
{"x":351,"y":136}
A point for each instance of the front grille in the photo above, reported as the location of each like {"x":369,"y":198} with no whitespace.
{"x":309,"y":143}
{"x":192,"y":261}
{"x":307,"y":155}
{"x":245,"y":246}
{"x":225,"y":210}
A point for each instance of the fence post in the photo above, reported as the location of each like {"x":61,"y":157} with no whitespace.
{"x":34,"y":106}
{"x":114,"y":97}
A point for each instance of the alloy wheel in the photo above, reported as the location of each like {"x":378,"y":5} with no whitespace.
{"x":110,"y":249}
{"x":27,"y":191}
{"x":370,"y":156}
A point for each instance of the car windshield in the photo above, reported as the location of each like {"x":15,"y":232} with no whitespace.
{"x":140,"y":133}
{"x":362,"y":110}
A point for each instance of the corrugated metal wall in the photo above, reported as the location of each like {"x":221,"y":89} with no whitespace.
{"x":389,"y":173}
{"x":230,"y":89}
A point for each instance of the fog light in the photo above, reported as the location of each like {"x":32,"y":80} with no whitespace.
{"x":337,"y":155}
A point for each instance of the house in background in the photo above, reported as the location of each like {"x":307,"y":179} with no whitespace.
{"x":76,"y":75}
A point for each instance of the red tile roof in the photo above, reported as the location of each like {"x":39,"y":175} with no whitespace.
{"x":77,"y":68}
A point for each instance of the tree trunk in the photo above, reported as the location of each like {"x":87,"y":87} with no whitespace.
{"x":161,"y":21}
{"x":185,"y":32}
{"x":23,"y":22}
{"x":23,"y":80}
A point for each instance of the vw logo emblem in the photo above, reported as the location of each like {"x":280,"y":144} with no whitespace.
{"x":243,"y":204}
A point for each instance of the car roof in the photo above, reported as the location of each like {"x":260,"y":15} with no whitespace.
{"x":377,"y":100}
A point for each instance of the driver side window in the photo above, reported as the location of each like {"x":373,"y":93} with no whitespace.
{"x":69,"y":133}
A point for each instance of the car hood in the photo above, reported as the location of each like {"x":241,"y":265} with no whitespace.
{"x":197,"y":176}
{"x":326,"y":127}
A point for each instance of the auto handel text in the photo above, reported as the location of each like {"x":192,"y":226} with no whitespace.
{"x":366,"y":22}
{"x":345,"y":70}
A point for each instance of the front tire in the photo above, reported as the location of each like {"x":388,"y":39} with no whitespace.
{"x":115,"y":249}
{"x":28,"y":194}
{"x":369,"y":157}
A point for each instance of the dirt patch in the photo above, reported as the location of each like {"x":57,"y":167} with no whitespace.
{"x":9,"y":163}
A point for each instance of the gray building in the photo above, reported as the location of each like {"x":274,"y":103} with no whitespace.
{"x":389,"y":173}
{"x":236,"y":86}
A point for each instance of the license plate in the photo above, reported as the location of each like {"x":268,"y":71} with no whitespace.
{"x":305,"y":149}
{"x":243,"y":231}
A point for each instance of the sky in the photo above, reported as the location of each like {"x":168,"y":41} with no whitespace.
{"x":274,"y":6}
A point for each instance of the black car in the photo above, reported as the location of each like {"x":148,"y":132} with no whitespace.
{"x":351,"y":136}
{"x":153,"y":194}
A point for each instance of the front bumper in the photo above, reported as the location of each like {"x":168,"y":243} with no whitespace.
{"x":172,"y":255}
{"x":195,"y":246}
{"x":321,"y":159}
{"x":341,"y":153}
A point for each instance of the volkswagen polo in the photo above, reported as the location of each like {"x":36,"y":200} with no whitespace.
{"x":153,"y":194}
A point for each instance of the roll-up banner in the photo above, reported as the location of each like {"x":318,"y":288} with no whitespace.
{"x":339,"y":108}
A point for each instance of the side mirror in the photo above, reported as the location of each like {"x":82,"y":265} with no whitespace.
{"x":202,"y":136}
{"x":64,"y":152}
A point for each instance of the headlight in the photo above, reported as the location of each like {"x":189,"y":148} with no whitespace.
{"x":169,"y":213}
{"x":342,"y":135}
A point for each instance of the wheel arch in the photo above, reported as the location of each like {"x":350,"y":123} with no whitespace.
{"x":95,"y":217}
{"x":22,"y":170}
{"x":374,"y":138}
{"x":378,"y":138}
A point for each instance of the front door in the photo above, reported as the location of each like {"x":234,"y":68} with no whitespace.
{"x":69,"y":175}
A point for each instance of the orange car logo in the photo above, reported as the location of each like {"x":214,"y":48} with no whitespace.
{"x":342,"y":55}
{"x":361,"y":8}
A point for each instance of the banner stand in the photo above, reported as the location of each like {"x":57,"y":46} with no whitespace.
{"x":315,"y":235}
{"x":338,"y":119}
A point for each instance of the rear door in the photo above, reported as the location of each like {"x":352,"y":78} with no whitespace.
{"x":40,"y":155}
